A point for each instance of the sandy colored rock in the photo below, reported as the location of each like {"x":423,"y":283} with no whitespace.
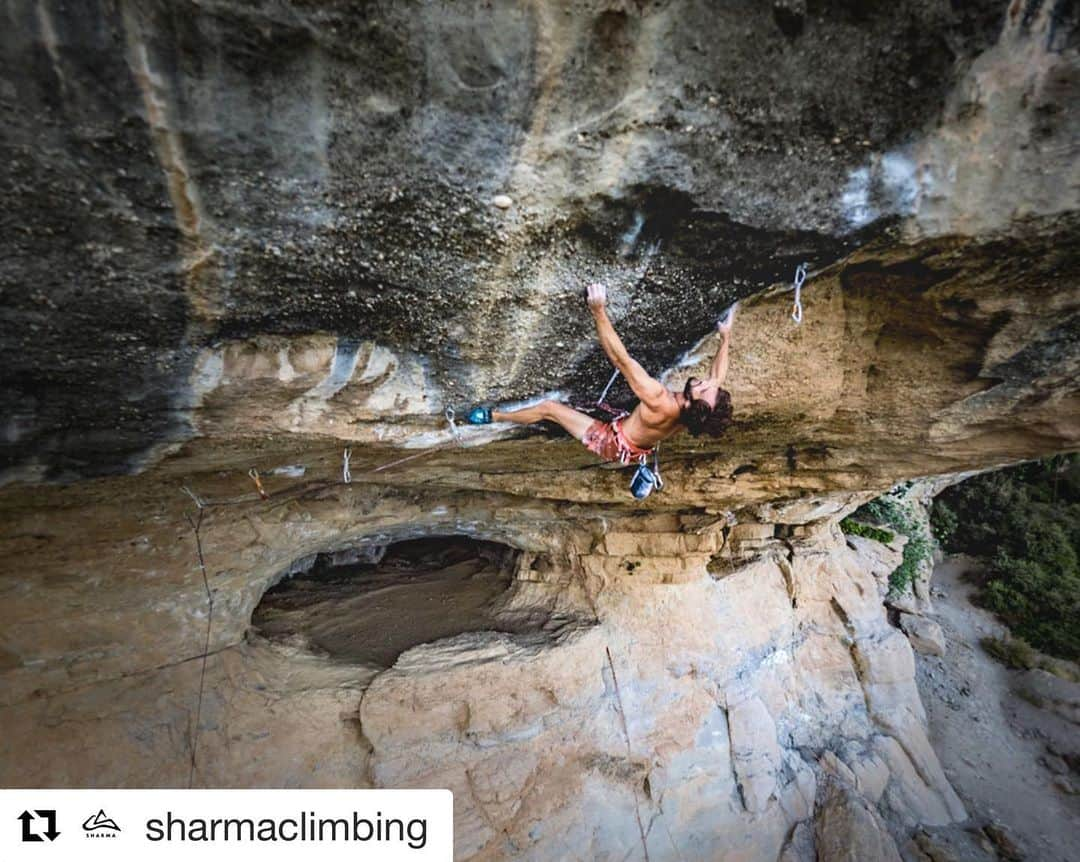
{"x":925,"y":635}
{"x":886,"y":660}
{"x":525,"y":728}
{"x":882,"y":559}
{"x":916,"y":788}
{"x":831,"y":763}
{"x":754,"y":752}
{"x":848,"y":829}
{"x":871,"y":776}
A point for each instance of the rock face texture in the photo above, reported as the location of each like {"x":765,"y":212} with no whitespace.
{"x":848,"y":830}
{"x":287,"y":238}
{"x":925,"y":635}
{"x":645,"y":688}
{"x":293,"y":197}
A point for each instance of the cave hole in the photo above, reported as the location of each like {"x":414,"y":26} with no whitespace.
{"x":367,"y":605}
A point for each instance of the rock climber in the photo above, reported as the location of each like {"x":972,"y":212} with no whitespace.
{"x":703,"y":406}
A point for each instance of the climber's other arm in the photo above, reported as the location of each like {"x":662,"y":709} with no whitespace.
{"x":719,"y":368}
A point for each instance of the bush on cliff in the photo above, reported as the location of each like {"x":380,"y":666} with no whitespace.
{"x":852,"y":527}
{"x":1025,"y":523}
{"x":891,"y":511}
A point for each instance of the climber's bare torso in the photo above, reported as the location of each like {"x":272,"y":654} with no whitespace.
{"x":657,"y":414}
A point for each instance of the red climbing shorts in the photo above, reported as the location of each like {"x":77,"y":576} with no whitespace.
{"x":607,"y":440}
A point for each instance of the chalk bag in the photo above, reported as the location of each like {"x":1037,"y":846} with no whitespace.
{"x":646,"y":479}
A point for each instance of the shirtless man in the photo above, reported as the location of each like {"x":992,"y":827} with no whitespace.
{"x":703,"y":407}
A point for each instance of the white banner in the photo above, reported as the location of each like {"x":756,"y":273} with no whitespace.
{"x":233,"y":825}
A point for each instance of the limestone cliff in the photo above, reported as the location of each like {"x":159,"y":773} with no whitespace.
{"x":252,"y":237}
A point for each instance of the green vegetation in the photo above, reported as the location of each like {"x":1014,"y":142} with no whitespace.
{"x":1012,"y":652}
{"x":1025,"y":523}
{"x":854,"y":528}
{"x":892,"y":511}
{"x":1017,"y":653}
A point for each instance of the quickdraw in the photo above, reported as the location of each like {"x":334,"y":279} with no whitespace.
{"x":450,"y":415}
{"x":254,"y":474}
{"x":800,"y":277}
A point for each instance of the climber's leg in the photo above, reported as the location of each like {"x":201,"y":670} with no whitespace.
{"x":574,"y":421}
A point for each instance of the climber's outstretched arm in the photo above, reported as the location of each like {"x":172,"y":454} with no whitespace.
{"x":651,"y":392}
{"x":720,"y":362}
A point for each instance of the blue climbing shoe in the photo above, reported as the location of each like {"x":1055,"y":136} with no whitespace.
{"x":480,"y":416}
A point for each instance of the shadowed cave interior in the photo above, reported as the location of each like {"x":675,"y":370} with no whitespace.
{"x":367,"y":605}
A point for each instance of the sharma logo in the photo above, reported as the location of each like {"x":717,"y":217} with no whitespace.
{"x":100,"y":825}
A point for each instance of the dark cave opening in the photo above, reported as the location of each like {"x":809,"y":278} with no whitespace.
{"x":368,"y":605}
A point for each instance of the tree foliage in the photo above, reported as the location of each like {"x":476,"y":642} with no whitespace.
{"x":1025,"y":523}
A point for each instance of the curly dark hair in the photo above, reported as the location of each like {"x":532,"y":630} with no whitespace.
{"x":699,"y":418}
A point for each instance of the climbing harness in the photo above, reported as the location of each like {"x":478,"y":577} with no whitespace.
{"x":254,"y":474}
{"x":645,"y":479}
{"x":800,"y":277}
{"x":600,"y":403}
{"x":346,"y":474}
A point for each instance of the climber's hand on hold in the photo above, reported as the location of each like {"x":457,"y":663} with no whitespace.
{"x":724,"y":324}
{"x":597,"y":297}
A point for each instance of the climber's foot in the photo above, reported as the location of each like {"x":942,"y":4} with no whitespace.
{"x":480,"y":416}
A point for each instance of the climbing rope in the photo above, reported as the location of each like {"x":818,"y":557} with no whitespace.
{"x":603,"y":394}
{"x":382,"y":467}
{"x":346,"y":475}
{"x":196,"y":526}
{"x":199,"y":502}
{"x":800,"y":277}
{"x":454,"y":430}
{"x":621,"y":712}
